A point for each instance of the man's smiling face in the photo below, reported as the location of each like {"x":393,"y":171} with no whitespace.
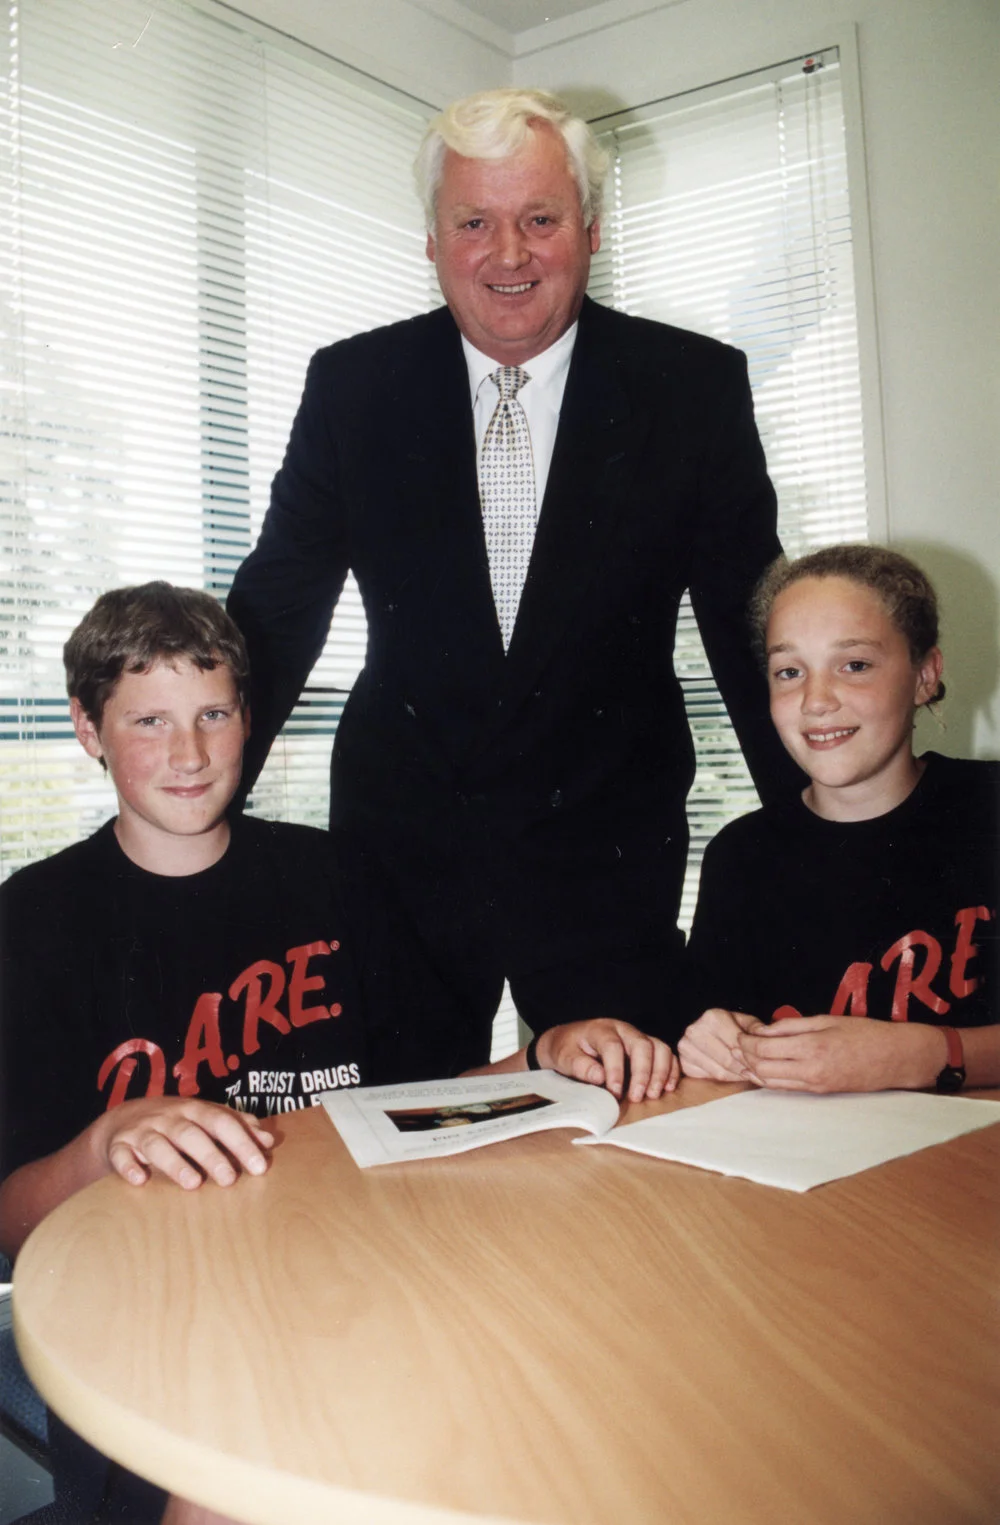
{"x":511,"y":249}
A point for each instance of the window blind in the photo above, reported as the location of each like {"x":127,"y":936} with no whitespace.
{"x":728,"y":213}
{"x":189,"y":210}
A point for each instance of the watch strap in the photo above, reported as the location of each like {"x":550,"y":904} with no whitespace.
{"x":952,"y":1076}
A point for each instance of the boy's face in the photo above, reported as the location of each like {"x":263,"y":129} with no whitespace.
{"x":172,"y":739}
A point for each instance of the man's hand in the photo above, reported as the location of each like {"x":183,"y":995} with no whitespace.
{"x":828,"y":1053}
{"x":710,"y":1048}
{"x":596,"y":1052}
{"x":186,"y":1140}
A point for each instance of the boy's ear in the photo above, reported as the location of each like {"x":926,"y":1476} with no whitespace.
{"x":246,"y":722}
{"x":929,"y":676}
{"x":86,"y":730}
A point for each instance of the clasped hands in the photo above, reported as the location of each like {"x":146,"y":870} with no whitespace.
{"x":821,"y":1054}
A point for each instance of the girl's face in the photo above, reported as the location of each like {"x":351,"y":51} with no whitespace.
{"x":844,"y":690}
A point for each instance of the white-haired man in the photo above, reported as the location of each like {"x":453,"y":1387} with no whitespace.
{"x":524,"y":484}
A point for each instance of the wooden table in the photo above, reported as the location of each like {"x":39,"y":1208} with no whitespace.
{"x":533,"y":1332}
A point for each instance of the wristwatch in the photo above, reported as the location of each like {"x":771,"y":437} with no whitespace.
{"x":952,"y":1077}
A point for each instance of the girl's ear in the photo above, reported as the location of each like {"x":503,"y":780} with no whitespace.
{"x":929,"y":670}
{"x":86,"y":730}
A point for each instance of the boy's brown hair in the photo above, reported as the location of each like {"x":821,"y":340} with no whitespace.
{"x":130,"y":629}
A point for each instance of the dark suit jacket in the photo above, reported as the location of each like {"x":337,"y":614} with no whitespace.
{"x":538,"y":794}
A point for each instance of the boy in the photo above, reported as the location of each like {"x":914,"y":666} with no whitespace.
{"x":174,"y":953}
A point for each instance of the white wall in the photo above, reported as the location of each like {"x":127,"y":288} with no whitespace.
{"x":931,"y":103}
{"x":421,"y":53}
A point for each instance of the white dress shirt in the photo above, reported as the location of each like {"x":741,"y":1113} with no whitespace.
{"x":541,"y":398}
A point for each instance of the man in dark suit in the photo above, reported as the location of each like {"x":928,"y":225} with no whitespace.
{"x":516,"y":745}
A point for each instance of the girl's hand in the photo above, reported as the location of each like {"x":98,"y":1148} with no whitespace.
{"x":710,"y":1048}
{"x":828,"y":1053}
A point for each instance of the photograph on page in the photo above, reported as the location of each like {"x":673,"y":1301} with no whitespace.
{"x":382,"y":1125}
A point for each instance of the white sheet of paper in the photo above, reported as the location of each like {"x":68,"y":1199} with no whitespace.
{"x":797,"y":1141}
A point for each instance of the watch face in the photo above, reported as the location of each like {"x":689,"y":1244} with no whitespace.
{"x":951,"y":1078}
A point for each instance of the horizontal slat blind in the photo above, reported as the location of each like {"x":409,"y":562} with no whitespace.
{"x":729,"y":214}
{"x":334,"y":245}
{"x":188,"y":211}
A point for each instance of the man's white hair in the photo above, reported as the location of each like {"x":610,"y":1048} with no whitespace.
{"x":493,"y":124}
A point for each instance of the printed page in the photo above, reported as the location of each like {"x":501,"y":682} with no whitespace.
{"x":796,"y":1141}
{"x":385,"y":1124}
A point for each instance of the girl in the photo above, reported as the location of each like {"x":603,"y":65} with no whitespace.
{"x":872,"y":899}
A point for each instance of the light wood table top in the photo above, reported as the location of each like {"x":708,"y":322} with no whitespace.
{"x":535,"y":1333}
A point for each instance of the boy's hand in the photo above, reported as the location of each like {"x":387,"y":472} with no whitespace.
{"x":185,"y":1140}
{"x":710,"y":1048}
{"x":828,"y":1053}
{"x":596,"y":1052}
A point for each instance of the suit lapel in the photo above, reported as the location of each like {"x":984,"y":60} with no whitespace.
{"x":438,"y":467}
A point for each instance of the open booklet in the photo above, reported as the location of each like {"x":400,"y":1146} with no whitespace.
{"x":776,"y":1138}
{"x":416,"y":1121}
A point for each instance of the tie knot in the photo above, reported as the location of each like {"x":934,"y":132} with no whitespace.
{"x":508,"y":380}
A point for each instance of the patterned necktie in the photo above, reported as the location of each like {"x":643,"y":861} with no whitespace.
{"x":507,"y":495}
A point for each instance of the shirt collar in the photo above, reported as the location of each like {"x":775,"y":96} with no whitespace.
{"x":547,"y":370}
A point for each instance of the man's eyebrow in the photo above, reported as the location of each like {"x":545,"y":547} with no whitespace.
{"x":474,"y":209}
